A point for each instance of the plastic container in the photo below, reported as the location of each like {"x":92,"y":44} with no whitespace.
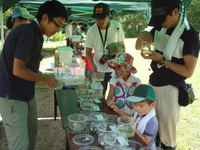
{"x":110,"y":138}
{"x":75,"y":75}
{"x":117,"y":147}
{"x":98,"y":89}
{"x":65,"y":55}
{"x":111,"y":127}
{"x":52,"y":66}
{"x":98,"y":117}
{"x":82,"y":97}
{"x":74,"y":80}
{"x":98,"y":76}
{"x":112,"y":118}
{"x":85,"y":92}
{"x":126,"y":126}
{"x":61,"y":82}
{"x":89,"y":148}
{"x":101,"y":135}
{"x":98,"y":127}
{"x":115,"y":139}
{"x":77,"y":121}
{"x":88,"y":107}
{"x":134,"y":144}
{"x":87,"y":101}
{"x":76,"y":38}
{"x":151,"y":148}
{"x":83,"y":139}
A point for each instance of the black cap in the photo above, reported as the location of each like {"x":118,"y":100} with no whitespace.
{"x":160,"y":9}
{"x":101,"y":10}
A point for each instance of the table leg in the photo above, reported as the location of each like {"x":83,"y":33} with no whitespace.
{"x":55,"y":105}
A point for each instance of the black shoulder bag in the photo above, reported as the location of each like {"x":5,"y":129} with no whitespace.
{"x":186,"y":95}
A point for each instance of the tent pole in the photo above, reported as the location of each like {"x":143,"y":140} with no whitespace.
{"x":2,"y":30}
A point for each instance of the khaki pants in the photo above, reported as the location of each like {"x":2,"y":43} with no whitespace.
{"x":20,"y":123}
{"x":167,"y":112}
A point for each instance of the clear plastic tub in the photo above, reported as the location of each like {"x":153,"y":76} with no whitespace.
{"x":101,"y":135}
{"x":77,"y":121}
{"x":81,"y":97}
{"x":99,"y":76}
{"x":117,"y":147}
{"x":110,"y":138}
{"x":98,"y":89}
{"x":151,"y":148}
{"x":83,"y":139}
{"x":88,"y":107}
{"x":115,"y":139}
{"x":126,"y":126}
{"x":112,"y":118}
{"x":85,"y":92}
{"x":134,"y":144}
{"x":90,"y":148}
{"x":98,"y":127}
{"x":98,"y":117}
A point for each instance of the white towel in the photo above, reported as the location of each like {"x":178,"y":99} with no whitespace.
{"x":141,"y":124}
{"x":173,"y":40}
{"x":178,"y":31}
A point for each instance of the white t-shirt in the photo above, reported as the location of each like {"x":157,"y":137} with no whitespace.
{"x":68,"y":30}
{"x":93,"y":40}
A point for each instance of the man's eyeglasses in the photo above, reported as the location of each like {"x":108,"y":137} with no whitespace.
{"x":58,"y":26}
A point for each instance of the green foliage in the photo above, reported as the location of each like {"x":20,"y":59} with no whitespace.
{"x":132,"y":23}
{"x":7,"y":14}
{"x":193,"y":13}
{"x":57,"y":37}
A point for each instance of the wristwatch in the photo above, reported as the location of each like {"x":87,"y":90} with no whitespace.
{"x":162,"y":61}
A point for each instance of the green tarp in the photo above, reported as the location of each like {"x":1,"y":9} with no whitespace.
{"x":83,"y":8}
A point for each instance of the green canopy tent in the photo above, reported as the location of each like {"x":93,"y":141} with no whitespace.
{"x":78,"y":8}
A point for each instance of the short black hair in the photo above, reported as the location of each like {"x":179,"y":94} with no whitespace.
{"x":52,"y":9}
{"x":9,"y":23}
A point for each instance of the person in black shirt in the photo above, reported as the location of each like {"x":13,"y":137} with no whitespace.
{"x":19,"y":70}
{"x":176,"y":52}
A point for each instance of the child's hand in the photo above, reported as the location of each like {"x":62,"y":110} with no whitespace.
{"x":115,"y":108}
{"x":110,"y":103}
